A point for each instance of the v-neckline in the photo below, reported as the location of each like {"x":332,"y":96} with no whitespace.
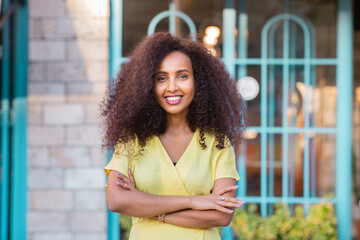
{"x":182,"y":155}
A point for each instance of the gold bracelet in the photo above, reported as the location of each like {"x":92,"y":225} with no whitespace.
{"x":161,"y":217}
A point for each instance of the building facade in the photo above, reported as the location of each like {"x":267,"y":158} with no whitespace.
{"x":68,"y":75}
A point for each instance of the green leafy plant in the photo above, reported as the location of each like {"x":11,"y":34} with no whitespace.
{"x":125,"y":226}
{"x":319,"y":224}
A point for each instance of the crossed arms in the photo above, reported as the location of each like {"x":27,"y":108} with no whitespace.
{"x":203,"y":211}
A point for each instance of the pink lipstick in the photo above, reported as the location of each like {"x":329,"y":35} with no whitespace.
{"x":173,"y":100}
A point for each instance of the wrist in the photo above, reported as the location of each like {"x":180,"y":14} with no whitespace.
{"x":161,"y":217}
{"x":189,"y":201}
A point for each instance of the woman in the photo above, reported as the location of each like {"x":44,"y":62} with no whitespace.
{"x":173,"y":114}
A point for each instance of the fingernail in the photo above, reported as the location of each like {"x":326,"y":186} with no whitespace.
{"x":237,"y":186}
{"x":119,"y":174}
{"x":117,"y":181}
{"x":126,"y":184}
{"x":231,"y":211}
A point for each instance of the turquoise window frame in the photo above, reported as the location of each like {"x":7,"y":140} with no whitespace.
{"x":344,"y":73}
{"x":14,"y":124}
{"x":115,"y":61}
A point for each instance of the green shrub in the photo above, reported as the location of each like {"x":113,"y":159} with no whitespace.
{"x":125,"y":226}
{"x":319,"y":224}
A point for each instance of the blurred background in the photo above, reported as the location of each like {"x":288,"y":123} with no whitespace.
{"x":297,"y":63}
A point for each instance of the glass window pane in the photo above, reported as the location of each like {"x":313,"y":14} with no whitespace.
{"x":321,"y":15}
{"x":253,"y":104}
{"x":204,"y":15}
{"x":324,"y":153}
{"x":296,"y":165}
{"x":274,"y":164}
{"x":253,"y":166}
{"x":295,"y":106}
{"x":324,"y":104}
{"x":257,"y":21}
{"x":137,"y":15}
{"x":325,"y":164}
{"x":275,"y":95}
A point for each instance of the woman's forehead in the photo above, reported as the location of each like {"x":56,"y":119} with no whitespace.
{"x":175,"y":60}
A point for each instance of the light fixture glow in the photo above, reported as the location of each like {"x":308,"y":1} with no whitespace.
{"x":250,"y":134}
{"x":209,"y":40}
{"x":212,"y":31}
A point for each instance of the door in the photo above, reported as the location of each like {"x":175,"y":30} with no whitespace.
{"x":293,"y":63}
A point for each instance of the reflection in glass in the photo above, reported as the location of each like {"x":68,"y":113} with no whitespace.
{"x":253,"y":106}
{"x":137,"y":15}
{"x":274,"y":164}
{"x":326,"y":97}
{"x":320,"y":14}
{"x":325,"y":155}
{"x":253,"y":166}
{"x":275,"y":95}
{"x":296,"y":164}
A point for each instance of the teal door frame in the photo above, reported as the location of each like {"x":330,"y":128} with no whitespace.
{"x":13,"y":123}
{"x":115,"y":61}
{"x":344,"y":82}
{"x":237,"y":66}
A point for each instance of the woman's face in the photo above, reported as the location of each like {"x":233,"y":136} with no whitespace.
{"x":174,"y":83}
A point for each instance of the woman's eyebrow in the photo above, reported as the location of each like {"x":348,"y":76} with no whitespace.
{"x":178,"y":71}
{"x":182,"y":70}
{"x":160,"y":73}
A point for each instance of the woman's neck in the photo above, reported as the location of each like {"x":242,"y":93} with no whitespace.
{"x":177,"y":123}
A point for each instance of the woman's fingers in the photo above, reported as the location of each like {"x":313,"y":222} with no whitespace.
{"x":227,"y":189}
{"x":125,"y":180}
{"x":215,"y":202}
{"x":123,"y":177}
{"x":131,"y":177}
{"x":230,"y":204}
{"x":224,"y":205}
{"x":123,"y":184}
{"x":223,"y":209}
{"x":231,"y":199}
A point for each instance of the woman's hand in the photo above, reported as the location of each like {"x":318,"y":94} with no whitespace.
{"x":125,"y":182}
{"x":216,"y":201}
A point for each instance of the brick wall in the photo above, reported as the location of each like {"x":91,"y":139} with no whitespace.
{"x":68,"y":73}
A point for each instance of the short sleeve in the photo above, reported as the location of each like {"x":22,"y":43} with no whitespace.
{"x":225,"y":164}
{"x":122,"y":159}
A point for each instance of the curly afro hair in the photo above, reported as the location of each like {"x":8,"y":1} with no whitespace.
{"x":131,"y":110}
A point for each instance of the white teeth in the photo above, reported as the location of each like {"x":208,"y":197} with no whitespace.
{"x":173,"y":98}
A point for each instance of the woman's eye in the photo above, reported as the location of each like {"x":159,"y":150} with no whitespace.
{"x":161,"y":78}
{"x":183,"y":76}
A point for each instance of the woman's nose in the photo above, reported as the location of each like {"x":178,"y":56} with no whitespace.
{"x":172,"y":86}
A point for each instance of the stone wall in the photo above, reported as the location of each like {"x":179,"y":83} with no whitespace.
{"x":68,"y":74}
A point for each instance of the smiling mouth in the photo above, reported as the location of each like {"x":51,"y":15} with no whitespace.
{"x":173,"y":100}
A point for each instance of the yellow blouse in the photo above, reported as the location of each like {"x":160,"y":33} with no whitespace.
{"x":194,"y":174}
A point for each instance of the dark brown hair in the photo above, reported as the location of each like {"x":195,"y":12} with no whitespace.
{"x":131,"y":110}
